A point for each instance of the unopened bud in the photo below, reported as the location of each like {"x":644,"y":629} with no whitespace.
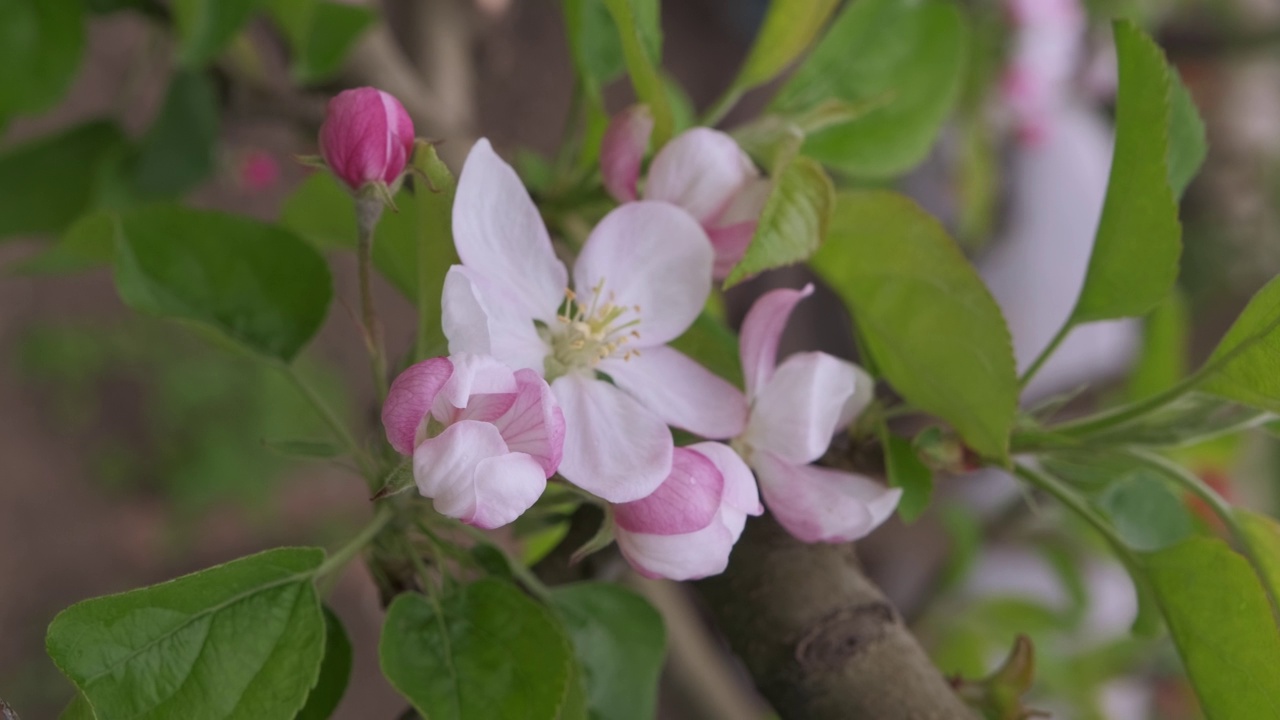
{"x":366,"y":138}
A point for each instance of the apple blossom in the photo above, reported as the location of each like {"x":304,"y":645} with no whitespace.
{"x":640,"y":280}
{"x":484,"y":439}
{"x":1046,"y":51}
{"x":701,"y":170}
{"x":796,"y":408}
{"x":366,"y":138}
{"x":686,"y":528}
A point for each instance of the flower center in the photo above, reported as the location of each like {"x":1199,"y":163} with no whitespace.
{"x":586,"y":334}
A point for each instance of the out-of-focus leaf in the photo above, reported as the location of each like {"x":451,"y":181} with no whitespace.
{"x":50,"y":182}
{"x":320,"y":33}
{"x":793,"y":222}
{"x":908,"y":57}
{"x":41,"y":42}
{"x":927,"y":320}
{"x":1163,"y":361}
{"x":907,"y":471}
{"x":1191,"y":419}
{"x":305,"y":448}
{"x":788,"y":29}
{"x":638,"y":26}
{"x":257,"y":284}
{"x":1187,"y":144}
{"x":433,"y":251}
{"x":1243,"y":366}
{"x":714,"y":346}
{"x":620,"y":643}
{"x":88,"y":244}
{"x":240,"y":640}
{"x":1145,"y":513}
{"x":206,"y":26}
{"x":335,"y":671}
{"x":1262,"y":535}
{"x":177,"y":152}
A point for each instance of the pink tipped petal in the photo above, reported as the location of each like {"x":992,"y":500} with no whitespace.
{"x":534,"y":423}
{"x":740,"y":493}
{"x":410,"y":399}
{"x":622,"y":151}
{"x":700,"y":170}
{"x":687,"y":501}
{"x":798,"y":411}
{"x":499,"y":235}
{"x":475,"y":375}
{"x":679,"y":557}
{"x":399,"y":136}
{"x":681,"y":392}
{"x":613,"y":447}
{"x":650,"y":256}
{"x":762,"y":331}
{"x":444,"y":466}
{"x":366,"y":137}
{"x":864,"y":391}
{"x":505,"y":486}
{"x":479,"y":318}
{"x":730,"y":244}
{"x":817,"y":504}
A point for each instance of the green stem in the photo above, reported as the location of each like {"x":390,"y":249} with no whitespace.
{"x":1132,"y":411}
{"x":339,"y":429}
{"x":722,"y":106}
{"x":1073,"y":501}
{"x":344,"y":554}
{"x":522,"y":573}
{"x":368,"y":212}
{"x":1045,"y":354}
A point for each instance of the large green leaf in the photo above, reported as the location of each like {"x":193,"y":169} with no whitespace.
{"x":793,"y":222}
{"x":48,"y":183}
{"x":1242,"y":367}
{"x":77,"y":709}
{"x":240,"y":640}
{"x":1163,"y":359}
{"x":335,"y":671}
{"x":1135,"y":253}
{"x":177,"y":152}
{"x":788,"y":29}
{"x":928,"y":322}
{"x":257,"y":284}
{"x":1222,"y":623}
{"x":620,"y":643}
{"x":40,"y":47}
{"x":206,"y":26}
{"x":486,"y":652}
{"x":905,"y":57}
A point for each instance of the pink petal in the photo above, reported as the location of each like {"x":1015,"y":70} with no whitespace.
{"x":410,"y":399}
{"x":505,"y":486}
{"x":481,"y":388}
{"x":700,"y":170}
{"x":613,"y":447}
{"x":740,"y":493}
{"x":798,"y":411}
{"x":444,"y":466}
{"x":500,"y":236}
{"x":534,"y":423}
{"x":687,"y":501}
{"x":681,"y":392}
{"x":817,"y":504}
{"x":730,"y":243}
{"x":482,"y":319}
{"x":762,"y":331}
{"x":650,"y":256}
{"x":366,"y":137}
{"x":622,"y":151}
{"x":680,"y":557}
{"x":399,"y":137}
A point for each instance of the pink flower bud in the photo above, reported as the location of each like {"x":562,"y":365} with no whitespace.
{"x":366,"y":137}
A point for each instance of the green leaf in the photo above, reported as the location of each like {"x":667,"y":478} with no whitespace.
{"x":177,"y":152}
{"x":714,"y":346}
{"x":620,"y":642}
{"x":240,"y":640}
{"x":637,"y":23}
{"x":1163,"y":360}
{"x":205,"y":27}
{"x":927,"y":321}
{"x":1135,"y":253}
{"x":433,"y":251}
{"x":40,"y":47}
{"x":335,"y":671}
{"x":908,"y":57}
{"x":907,"y":471}
{"x":1187,"y":144}
{"x":789,"y":28}
{"x":1191,"y":419}
{"x":320,"y":33}
{"x":1242,"y":367}
{"x":487,"y":651}
{"x":257,"y":284}
{"x":85,"y":245}
{"x":1262,"y":536}
{"x":1144,"y":512}
{"x":793,"y":222}
{"x":1221,"y":621}
{"x":78,"y":709}
{"x":324,"y":213}
{"x":48,"y":183}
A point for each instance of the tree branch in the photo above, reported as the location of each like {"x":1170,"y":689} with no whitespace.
{"x":820,"y":639}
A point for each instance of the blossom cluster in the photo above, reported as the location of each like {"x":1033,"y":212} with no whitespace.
{"x":571,"y":373}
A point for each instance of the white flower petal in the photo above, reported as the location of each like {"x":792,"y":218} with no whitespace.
{"x":480,"y":319}
{"x":762,"y":331}
{"x":444,"y":466}
{"x":505,"y":486}
{"x":700,"y":170}
{"x":682,"y":392}
{"x":740,"y":491}
{"x":679,"y":557}
{"x":534,"y":423}
{"x":798,"y":411}
{"x":817,"y":504}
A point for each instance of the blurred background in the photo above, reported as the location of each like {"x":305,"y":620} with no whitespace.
{"x":133,"y":450}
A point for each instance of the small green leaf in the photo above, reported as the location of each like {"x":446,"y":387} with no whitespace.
{"x":40,"y":47}
{"x":928,"y":322}
{"x":1144,"y":512}
{"x":257,"y":284}
{"x":620,"y":643}
{"x":789,"y":28}
{"x":907,"y":471}
{"x":714,"y":346}
{"x":335,"y":671}
{"x":487,"y":651}
{"x":1187,"y":144}
{"x":305,"y":448}
{"x":177,"y":152}
{"x":793,"y":222}
{"x":1242,"y":367}
{"x":241,"y":640}
{"x":1221,"y":621}
{"x":48,"y":183}
{"x":1135,"y":254}
{"x":1163,"y":360}
{"x":205,"y":27}
{"x":908,"y":57}
{"x":637,"y":23}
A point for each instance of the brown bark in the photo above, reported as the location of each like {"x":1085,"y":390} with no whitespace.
{"x":820,"y":639}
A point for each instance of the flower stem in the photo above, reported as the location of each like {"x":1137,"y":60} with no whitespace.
{"x":1073,"y":501}
{"x":339,"y":429}
{"x":344,"y":554}
{"x":1045,"y":354}
{"x":368,"y":212}
{"x":722,"y":106}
